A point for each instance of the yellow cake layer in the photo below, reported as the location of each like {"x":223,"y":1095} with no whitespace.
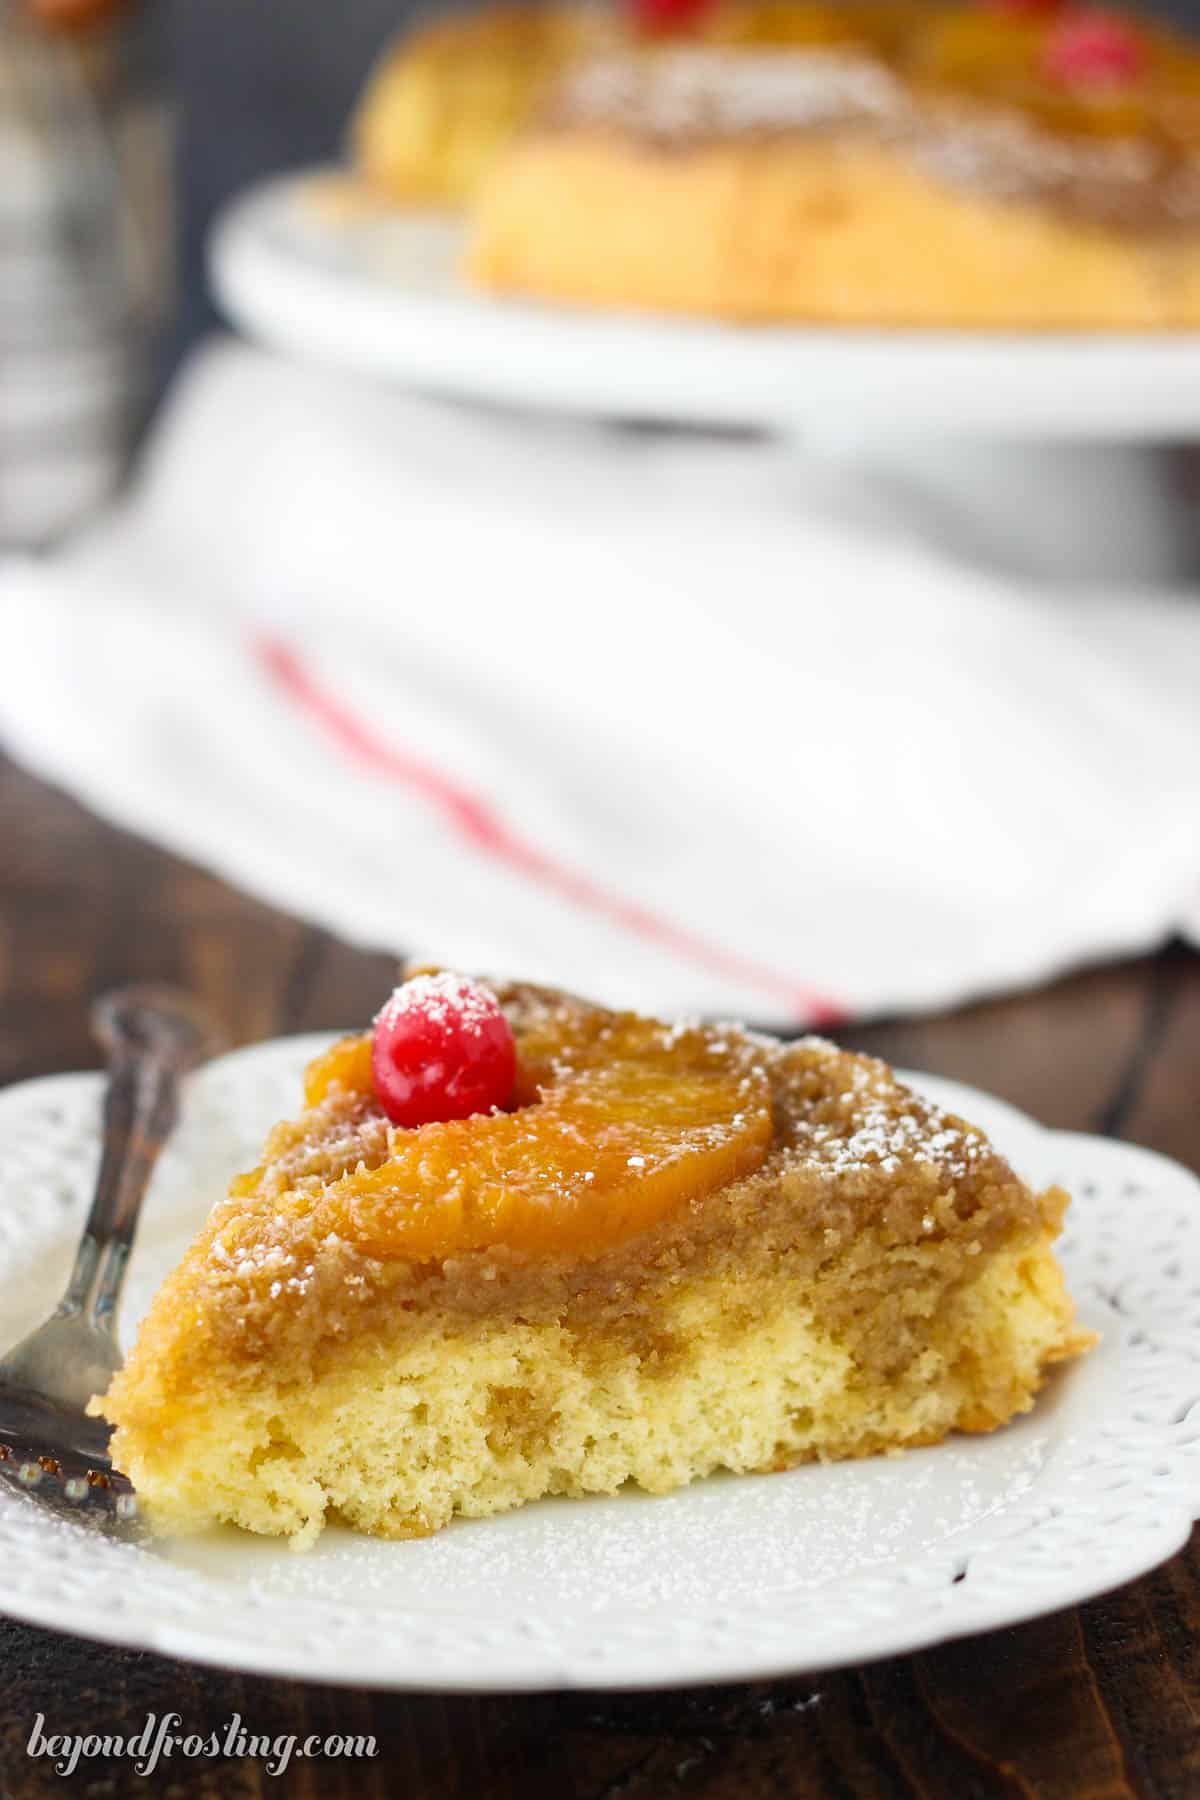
{"x":809,"y":228}
{"x":474,"y":1416}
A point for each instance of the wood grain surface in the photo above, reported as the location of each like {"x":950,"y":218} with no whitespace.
{"x":1094,"y":1704}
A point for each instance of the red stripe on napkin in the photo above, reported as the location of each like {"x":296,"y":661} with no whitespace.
{"x":478,"y":825}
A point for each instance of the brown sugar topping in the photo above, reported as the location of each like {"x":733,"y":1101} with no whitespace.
{"x":963,"y":93}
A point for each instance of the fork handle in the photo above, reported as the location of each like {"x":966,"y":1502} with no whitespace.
{"x":153,"y":1036}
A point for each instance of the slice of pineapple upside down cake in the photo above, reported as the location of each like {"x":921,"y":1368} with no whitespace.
{"x":518,"y":1245}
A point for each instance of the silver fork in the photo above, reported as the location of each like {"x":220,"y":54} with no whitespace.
{"x":152,"y":1037}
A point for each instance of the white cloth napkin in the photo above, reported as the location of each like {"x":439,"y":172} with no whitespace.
{"x":678,"y":722}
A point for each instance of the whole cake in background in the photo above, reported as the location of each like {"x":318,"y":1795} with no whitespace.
{"x":518,"y":1245}
{"x":1033,"y":167}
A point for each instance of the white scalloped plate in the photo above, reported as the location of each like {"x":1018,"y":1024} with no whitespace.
{"x":731,"y":1579}
{"x":378,"y":291}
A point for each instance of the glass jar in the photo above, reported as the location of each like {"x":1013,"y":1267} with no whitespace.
{"x":84,"y":253}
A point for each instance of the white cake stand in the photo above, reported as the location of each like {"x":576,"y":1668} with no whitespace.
{"x":1043,"y":452}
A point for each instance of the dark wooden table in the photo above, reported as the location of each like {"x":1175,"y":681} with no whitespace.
{"x":1092,"y":1704}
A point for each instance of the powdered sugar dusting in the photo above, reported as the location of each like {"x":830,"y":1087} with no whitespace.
{"x":697,"y":93}
{"x":888,"y":1141}
{"x":453,"y":1001}
{"x":694,"y":92}
{"x":1119,"y":180}
{"x":869,"y":1123}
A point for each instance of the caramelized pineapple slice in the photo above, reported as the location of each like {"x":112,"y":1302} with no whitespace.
{"x":619,"y":1119}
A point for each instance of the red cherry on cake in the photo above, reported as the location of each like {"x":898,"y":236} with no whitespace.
{"x":1094,"y":49}
{"x":660,"y":18}
{"x":1024,"y":9}
{"x":442,"y":1049}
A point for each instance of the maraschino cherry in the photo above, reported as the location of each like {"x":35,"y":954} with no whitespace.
{"x":1024,"y":9}
{"x":665,"y":18}
{"x":1094,"y":49}
{"x":442,"y":1049}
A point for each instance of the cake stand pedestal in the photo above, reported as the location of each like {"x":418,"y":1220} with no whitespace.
{"x":1125,"y":514}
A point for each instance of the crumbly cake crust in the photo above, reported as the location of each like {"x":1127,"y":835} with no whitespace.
{"x":696,"y":96}
{"x":853,"y":1149}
